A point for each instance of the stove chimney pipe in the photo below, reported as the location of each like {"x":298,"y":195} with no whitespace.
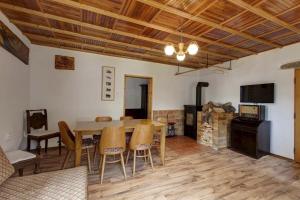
{"x":199,"y":94}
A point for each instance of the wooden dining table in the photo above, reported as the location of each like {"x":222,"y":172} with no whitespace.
{"x":95,"y":128}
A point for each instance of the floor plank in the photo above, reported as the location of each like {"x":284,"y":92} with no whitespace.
{"x":193,"y":172}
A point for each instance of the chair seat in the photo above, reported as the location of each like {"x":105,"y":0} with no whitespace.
{"x":115,"y":150}
{"x":88,"y":142}
{"x":40,"y":133}
{"x":19,"y":156}
{"x":143,"y":146}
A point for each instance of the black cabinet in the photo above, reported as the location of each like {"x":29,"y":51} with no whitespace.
{"x":251,"y":137}
{"x":190,"y":121}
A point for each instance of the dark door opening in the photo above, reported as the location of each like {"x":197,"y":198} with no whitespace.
{"x":137,"y":95}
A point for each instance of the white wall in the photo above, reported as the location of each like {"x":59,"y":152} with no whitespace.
{"x":76,"y":95}
{"x":14,"y":93}
{"x":261,"y":68}
{"x":133,"y":92}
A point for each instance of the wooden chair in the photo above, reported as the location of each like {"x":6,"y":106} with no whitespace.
{"x":128,"y":134}
{"x":156,"y":136}
{"x":126,"y":118}
{"x":68,"y":139}
{"x":162,"y":120}
{"x":112,"y":143}
{"x":37,"y":120}
{"x":141,"y":140}
{"x":103,"y":119}
{"x":97,"y":137}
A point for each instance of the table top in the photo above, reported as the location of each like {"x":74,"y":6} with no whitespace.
{"x":92,"y":126}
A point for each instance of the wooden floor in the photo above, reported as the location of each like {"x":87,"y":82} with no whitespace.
{"x":194,"y":172}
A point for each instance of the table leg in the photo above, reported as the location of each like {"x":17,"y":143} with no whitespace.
{"x":78,"y":143}
{"x":163,"y":144}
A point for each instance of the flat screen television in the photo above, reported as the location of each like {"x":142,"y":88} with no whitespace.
{"x":260,"y":93}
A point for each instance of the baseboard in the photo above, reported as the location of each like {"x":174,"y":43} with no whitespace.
{"x":281,"y":157}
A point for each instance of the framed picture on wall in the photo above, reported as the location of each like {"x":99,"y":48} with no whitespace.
{"x":108,"y":83}
{"x":64,"y":62}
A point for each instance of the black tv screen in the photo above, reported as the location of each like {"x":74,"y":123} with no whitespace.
{"x":261,"y":93}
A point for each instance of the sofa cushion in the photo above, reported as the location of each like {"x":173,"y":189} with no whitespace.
{"x":6,"y":169}
{"x":57,"y":185}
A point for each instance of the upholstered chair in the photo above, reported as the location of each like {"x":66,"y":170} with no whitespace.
{"x":68,"y":139}
{"x":141,"y":141}
{"x":97,"y":137}
{"x":126,"y":118}
{"x":103,"y":119}
{"x":157,"y":133}
{"x":112,"y":143}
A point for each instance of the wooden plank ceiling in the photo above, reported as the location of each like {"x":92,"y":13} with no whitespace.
{"x":139,"y":29}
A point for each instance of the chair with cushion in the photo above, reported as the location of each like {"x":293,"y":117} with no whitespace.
{"x":97,"y":137}
{"x":103,"y":119}
{"x":128,"y":134}
{"x":38,"y":121}
{"x":68,"y":139}
{"x":112,"y":143}
{"x":141,"y":141}
{"x":156,"y":135}
{"x":126,"y":118}
{"x":21,"y":159}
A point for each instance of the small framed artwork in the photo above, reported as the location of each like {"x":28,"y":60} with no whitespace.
{"x":108,"y":83}
{"x":64,"y":62}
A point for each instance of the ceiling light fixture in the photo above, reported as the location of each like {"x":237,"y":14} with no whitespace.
{"x":192,"y":49}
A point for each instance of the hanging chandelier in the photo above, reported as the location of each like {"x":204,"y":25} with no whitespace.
{"x":192,"y":49}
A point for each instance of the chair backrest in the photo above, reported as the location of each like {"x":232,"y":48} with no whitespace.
{"x":126,"y":118}
{"x":67,"y":136}
{"x":103,"y":119}
{"x":162,"y":120}
{"x":112,"y":138}
{"x":36,"y":119}
{"x":142,"y":135}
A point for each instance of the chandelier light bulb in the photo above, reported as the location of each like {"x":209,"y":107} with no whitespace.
{"x":180,"y":57}
{"x":193,"y":48}
{"x":169,"y":50}
{"x":181,"y":51}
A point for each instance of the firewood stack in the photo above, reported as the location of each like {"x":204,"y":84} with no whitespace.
{"x":214,"y":123}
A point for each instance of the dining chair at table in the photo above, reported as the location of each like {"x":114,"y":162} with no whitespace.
{"x":141,"y":140}
{"x":126,"y":118}
{"x":112,"y":143}
{"x":68,"y":139}
{"x":97,"y":137}
{"x":156,"y":135}
{"x":103,"y":119}
{"x":128,"y":134}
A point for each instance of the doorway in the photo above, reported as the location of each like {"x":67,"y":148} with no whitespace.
{"x":138,"y":97}
{"x":297,"y":115}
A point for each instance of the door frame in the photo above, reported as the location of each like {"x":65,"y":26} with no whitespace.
{"x":296,"y":136}
{"x":150,"y":92}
